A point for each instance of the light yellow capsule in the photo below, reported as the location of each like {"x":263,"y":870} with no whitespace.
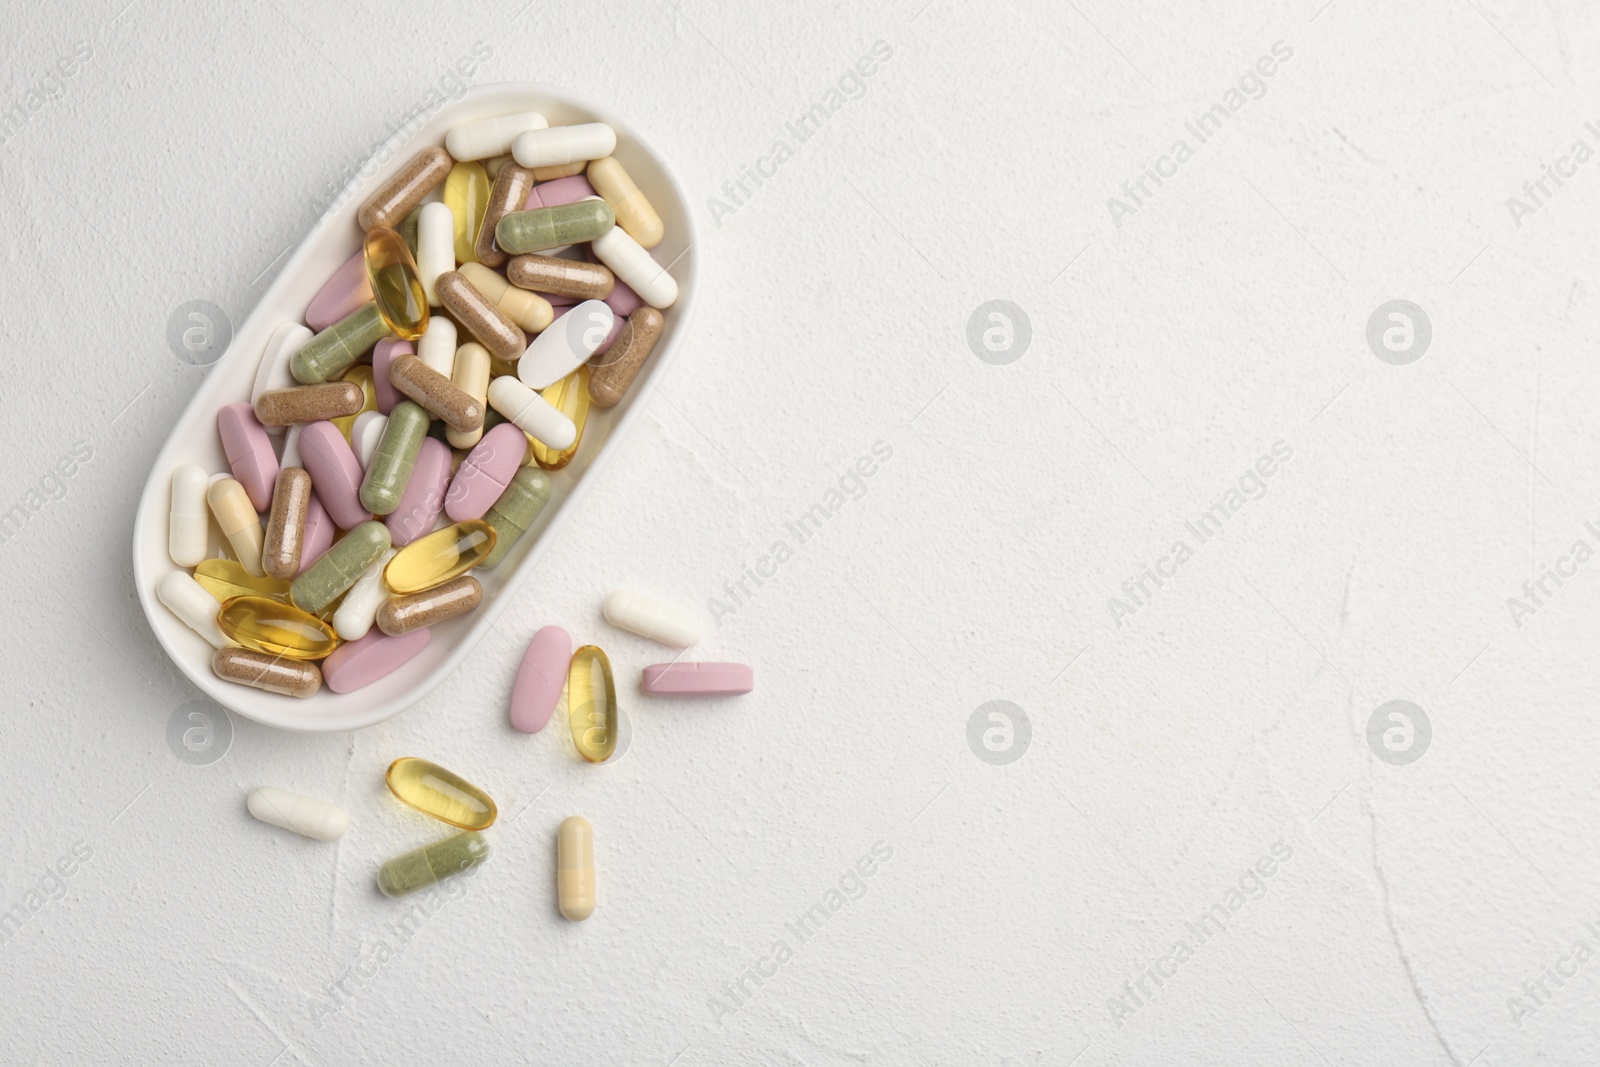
{"x":529,"y":310}
{"x":361,"y":374}
{"x":446,"y":796}
{"x":592,"y":704}
{"x":440,"y":556}
{"x":466,"y":194}
{"x":470,"y":374}
{"x":570,"y":396}
{"x":239,"y":521}
{"x":558,"y":170}
{"x":633,"y":209}
{"x":575,"y":868}
{"x":276,"y":628}
{"x":226,"y":579}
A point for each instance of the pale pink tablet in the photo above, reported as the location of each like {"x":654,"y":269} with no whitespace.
{"x":423,"y":499}
{"x":250,"y":452}
{"x":557,"y":192}
{"x":623,"y":300}
{"x":699,"y":679}
{"x":486,"y":472}
{"x":617,"y":323}
{"x":347,"y":290}
{"x":540,"y":679}
{"x":319,"y":533}
{"x":386,"y":352}
{"x":335,"y":473}
{"x":358,"y":663}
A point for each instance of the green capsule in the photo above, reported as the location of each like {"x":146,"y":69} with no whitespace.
{"x":338,"y":568}
{"x":336,"y":349}
{"x":515,"y":511}
{"x":552,"y":227}
{"x":394,"y":458}
{"x":428,"y":865}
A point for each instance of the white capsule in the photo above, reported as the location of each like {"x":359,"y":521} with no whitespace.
{"x":437,"y":346}
{"x":436,"y":247}
{"x":564,"y":144}
{"x":630,"y":262}
{"x":314,"y":818}
{"x":482,"y":138}
{"x":189,"y":520}
{"x":565,"y":344}
{"x":365,"y":433}
{"x":650,"y":618}
{"x":471,"y":376}
{"x":190,"y":601}
{"x":291,"y":449}
{"x":532,"y":413}
{"x":273,"y":372}
{"x":360,"y":605}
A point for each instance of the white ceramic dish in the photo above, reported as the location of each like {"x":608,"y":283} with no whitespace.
{"x":332,"y":241}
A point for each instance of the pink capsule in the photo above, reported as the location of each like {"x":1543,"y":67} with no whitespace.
{"x":335,"y":473}
{"x":423,"y":499}
{"x":250,"y":453}
{"x":341,"y":294}
{"x":486,"y":472}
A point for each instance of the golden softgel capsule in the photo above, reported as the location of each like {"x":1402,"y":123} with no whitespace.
{"x":439,"y":557}
{"x":276,"y":628}
{"x":592,"y":704}
{"x":443,"y":794}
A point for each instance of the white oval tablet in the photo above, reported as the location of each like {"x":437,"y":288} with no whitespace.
{"x":649,"y":617}
{"x":566,"y":344}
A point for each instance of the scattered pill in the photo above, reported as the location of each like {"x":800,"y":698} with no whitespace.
{"x":430,"y":864}
{"x":188,"y":520}
{"x":698,"y":679}
{"x":333,"y":351}
{"x":239,"y":522}
{"x":445,"y":795}
{"x":308,"y":816}
{"x":649,"y":617}
{"x":402,"y":614}
{"x":564,"y":277}
{"x":592,"y":704}
{"x":275,"y":674}
{"x":439,"y":557}
{"x":540,"y":679}
{"x":575,"y":868}
{"x":529,"y":311}
{"x":190,"y":602}
{"x":394,"y":458}
{"x":276,"y":628}
{"x":365,"y":660}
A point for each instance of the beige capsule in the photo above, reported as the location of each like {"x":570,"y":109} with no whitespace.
{"x":529,"y":310}
{"x":309,"y":403}
{"x":391,"y":204}
{"x":492,"y":327}
{"x":634,"y":212}
{"x":564,"y":277}
{"x":402,"y":614}
{"x":470,"y":374}
{"x":559,"y":170}
{"x":291,"y":677}
{"x":286,"y":523}
{"x":611,"y":374}
{"x":510,"y":191}
{"x":438,"y":394}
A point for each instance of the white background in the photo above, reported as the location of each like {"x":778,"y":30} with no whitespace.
{"x":1169,"y":753}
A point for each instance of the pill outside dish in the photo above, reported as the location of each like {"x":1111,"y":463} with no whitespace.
{"x":251,"y":338}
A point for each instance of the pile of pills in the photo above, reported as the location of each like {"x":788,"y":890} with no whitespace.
{"x":503,"y":288}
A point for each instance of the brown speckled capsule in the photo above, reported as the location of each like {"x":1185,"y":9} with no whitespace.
{"x":309,"y":403}
{"x":390,"y":205}
{"x":460,"y":411}
{"x":291,"y":677}
{"x":402,"y":614}
{"x":510,"y":191}
{"x":286,"y":524}
{"x":612,"y":373}
{"x":564,"y":277}
{"x":492,"y":327}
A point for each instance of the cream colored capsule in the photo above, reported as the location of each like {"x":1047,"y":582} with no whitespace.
{"x":471,"y":376}
{"x":633,"y":265}
{"x":359,"y":609}
{"x":558,"y":170}
{"x":633,"y":209}
{"x":316,"y":819}
{"x":532,"y":413}
{"x":482,"y":138}
{"x":438,"y":345}
{"x":273,"y":371}
{"x":529,"y":310}
{"x":188,"y":521}
{"x":365,"y":434}
{"x":575,"y":868}
{"x":239,"y":521}
{"x":649,"y":617}
{"x":189,"y":601}
{"x":436,"y":247}
{"x":564,"y":144}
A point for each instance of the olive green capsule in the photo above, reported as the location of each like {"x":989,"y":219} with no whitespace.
{"x":338,"y":568}
{"x":394,"y":458}
{"x":552,"y":227}
{"x":515,"y":511}
{"x":334,"y":350}
{"x":428,"y":865}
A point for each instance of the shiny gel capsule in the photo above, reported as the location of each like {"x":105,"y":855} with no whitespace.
{"x":228,"y":578}
{"x":466,"y":194}
{"x":396,"y":289}
{"x":428,"y":865}
{"x":592,"y":704}
{"x":394,"y":459}
{"x":553,"y":227}
{"x":313,"y":818}
{"x":338,"y":568}
{"x":515,"y":511}
{"x":439,"y":557}
{"x":276,"y":628}
{"x":445,"y":795}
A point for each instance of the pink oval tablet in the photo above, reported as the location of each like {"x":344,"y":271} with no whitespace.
{"x":423,"y":499}
{"x":335,"y":473}
{"x":319,"y":533}
{"x":698,"y":679}
{"x":486,"y":472}
{"x":386,"y":352}
{"x":358,"y":663}
{"x":558,"y":191}
{"x":540,"y":679}
{"x":341,"y":294}
{"x":617,"y":323}
{"x":250,"y":452}
{"x":623,"y":300}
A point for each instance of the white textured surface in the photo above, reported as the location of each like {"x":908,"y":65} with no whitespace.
{"x":1227,"y":715}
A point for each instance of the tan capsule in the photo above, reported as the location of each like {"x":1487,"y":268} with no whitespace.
{"x":491,"y":326}
{"x":495,"y":164}
{"x":510,"y":192}
{"x":575,"y":868}
{"x":471,"y":375}
{"x":613,"y":372}
{"x":529,"y":310}
{"x":390,"y":205}
{"x":286,"y":524}
{"x":564,"y":277}
{"x":291,"y":677}
{"x":309,"y":403}
{"x":559,"y":170}
{"x":402,"y":614}
{"x":635,"y":214}
{"x":437,"y":393}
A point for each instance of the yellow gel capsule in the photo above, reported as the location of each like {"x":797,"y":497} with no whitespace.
{"x":439,"y":557}
{"x":570,"y":396}
{"x":227,"y":578}
{"x":445,"y":795}
{"x":276,"y":628}
{"x":396,"y":289}
{"x":466,"y":194}
{"x":361,"y":374}
{"x":592,"y":704}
